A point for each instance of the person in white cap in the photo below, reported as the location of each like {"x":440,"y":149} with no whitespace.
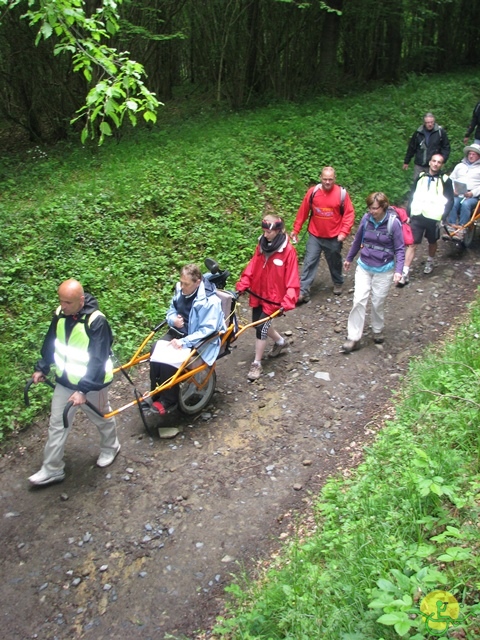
{"x":466,"y":186}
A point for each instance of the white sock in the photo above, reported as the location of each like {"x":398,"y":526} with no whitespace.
{"x":281,"y":341}
{"x":406,"y":270}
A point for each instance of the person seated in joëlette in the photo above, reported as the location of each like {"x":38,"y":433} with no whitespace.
{"x":195,"y":313}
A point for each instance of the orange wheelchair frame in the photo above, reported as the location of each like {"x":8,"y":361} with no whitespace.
{"x":197,"y":383}
{"x":464,"y":235}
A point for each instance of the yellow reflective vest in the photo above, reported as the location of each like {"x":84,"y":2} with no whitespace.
{"x":71,"y":356}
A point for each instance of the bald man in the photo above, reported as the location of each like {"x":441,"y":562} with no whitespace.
{"x":331,"y":215}
{"x":77,"y":344}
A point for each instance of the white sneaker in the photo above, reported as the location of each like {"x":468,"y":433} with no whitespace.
{"x":43,"y":478}
{"x":106,"y":459}
{"x":428,"y":266}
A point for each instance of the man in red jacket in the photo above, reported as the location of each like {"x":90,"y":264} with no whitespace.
{"x":331,"y":220}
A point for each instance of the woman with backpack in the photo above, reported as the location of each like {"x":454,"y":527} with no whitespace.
{"x":379,"y":239}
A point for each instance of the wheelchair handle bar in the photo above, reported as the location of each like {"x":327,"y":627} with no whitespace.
{"x":69,"y":405}
{"x":159,"y":326}
{"x":27,"y":389}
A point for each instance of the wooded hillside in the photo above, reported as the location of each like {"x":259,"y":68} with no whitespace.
{"x":238,"y":51}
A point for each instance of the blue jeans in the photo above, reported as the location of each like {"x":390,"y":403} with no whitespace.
{"x":313,"y":251}
{"x":461,"y":209}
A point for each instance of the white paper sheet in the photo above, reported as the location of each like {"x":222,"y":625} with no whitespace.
{"x":165,"y":352}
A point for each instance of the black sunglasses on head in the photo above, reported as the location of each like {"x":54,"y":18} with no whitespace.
{"x":272,"y":226}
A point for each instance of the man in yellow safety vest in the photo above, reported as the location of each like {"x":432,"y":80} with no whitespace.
{"x":77,"y":344}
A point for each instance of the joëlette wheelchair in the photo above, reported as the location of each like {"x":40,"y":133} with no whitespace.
{"x":196,"y":379}
{"x":463,"y":235}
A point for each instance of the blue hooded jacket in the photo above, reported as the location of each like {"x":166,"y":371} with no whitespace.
{"x":206,"y":317}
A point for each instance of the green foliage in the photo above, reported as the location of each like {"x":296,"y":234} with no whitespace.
{"x":391,"y":534}
{"x":119,"y":88}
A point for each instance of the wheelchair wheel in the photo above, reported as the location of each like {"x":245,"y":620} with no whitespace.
{"x":195,"y":394}
{"x":469,"y":235}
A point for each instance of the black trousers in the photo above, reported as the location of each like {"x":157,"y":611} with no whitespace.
{"x":160,"y":372}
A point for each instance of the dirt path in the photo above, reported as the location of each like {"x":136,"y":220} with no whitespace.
{"x":144,"y":548}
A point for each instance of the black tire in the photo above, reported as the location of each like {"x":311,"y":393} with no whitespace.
{"x":191,"y":398}
{"x":469,"y":236}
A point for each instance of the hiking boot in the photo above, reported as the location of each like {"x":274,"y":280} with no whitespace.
{"x":277,"y":349}
{"x":428,"y":266}
{"x":43,"y":478}
{"x":303,"y":298}
{"x":337,"y":289}
{"x":255,"y":371}
{"x":106,"y":459}
{"x":349,"y":346}
{"x":403,"y":280}
{"x":378,"y":338}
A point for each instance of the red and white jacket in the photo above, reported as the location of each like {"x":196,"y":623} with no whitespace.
{"x":274,"y":278}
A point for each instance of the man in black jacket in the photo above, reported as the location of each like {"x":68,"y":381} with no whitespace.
{"x":427,"y":140}
{"x":474,"y":124}
{"x":78,"y":345}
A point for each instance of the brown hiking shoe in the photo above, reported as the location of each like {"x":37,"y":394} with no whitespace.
{"x":255,"y":371}
{"x":277,"y":349}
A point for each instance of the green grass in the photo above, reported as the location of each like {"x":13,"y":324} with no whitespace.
{"x":403,"y":525}
{"x":124,"y":217}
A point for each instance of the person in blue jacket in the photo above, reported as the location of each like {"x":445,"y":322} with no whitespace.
{"x":195,"y":313}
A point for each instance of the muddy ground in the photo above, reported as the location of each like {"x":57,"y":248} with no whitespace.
{"x":144,"y":548}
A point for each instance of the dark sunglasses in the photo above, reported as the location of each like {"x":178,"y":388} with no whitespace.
{"x":272,"y":226}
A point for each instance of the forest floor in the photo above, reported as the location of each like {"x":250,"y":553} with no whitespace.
{"x":144,"y":548}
